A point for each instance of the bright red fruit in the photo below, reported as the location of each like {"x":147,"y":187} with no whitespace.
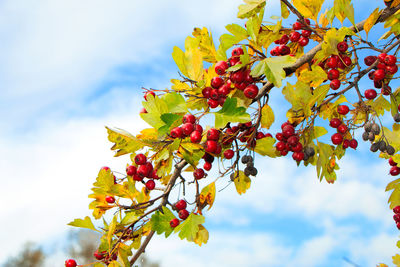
{"x":342,"y":46}
{"x":379,"y":74}
{"x":212,"y":103}
{"x":207,"y":166}
{"x":174,"y":222}
{"x":237,"y":52}
{"x":150,"y":184}
{"x":140,"y":159}
{"x":105,"y":168}
{"x":346,"y":143}
{"x":337,"y":138}
{"x":353,"y":143}
{"x":303,"y":41}
{"x":176,"y":132}
{"x":217,"y":82}
{"x":280,"y":146}
{"x":284,"y":50}
{"x":370,"y":93}
{"x":335,"y":122}
{"x":251,"y":91}
{"x":333,"y":74}
{"x":183,"y":214}
{"x":110,"y":199}
{"x":306,"y":33}
{"x":297,"y":26}
{"x":392,"y":162}
{"x":142,"y":111}
{"x":211,"y":146}
{"x":395,"y":170}
{"x":213,"y":134}
{"x":145,"y":170}
{"x":288,"y":131}
{"x":382,"y":57}
{"x":187,"y":128}
{"x":392,"y":69}
{"x":396,"y":209}
{"x":190,"y":118}
{"x":342,"y":129}
{"x":98,"y":256}
{"x":343,"y":109}
{"x":298,"y":156}
{"x":70,"y":263}
{"x":131,"y":170}
{"x":195,"y":137}
{"x":347,"y":60}
{"x":284,"y":39}
{"x":294,"y":37}
{"x":180,"y":205}
{"x":228,"y":154}
{"x":335,"y":84}
{"x":396,"y":218}
{"x":198,"y":173}
{"x":332,"y":63}
{"x":206,"y":92}
{"x":149,"y":93}
{"x":220,"y":67}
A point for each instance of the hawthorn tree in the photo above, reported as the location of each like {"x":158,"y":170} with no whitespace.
{"x":317,"y":64}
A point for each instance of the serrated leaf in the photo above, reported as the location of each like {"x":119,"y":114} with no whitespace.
{"x":242,"y":182}
{"x":308,"y":8}
{"x":238,"y":31}
{"x":175,"y":102}
{"x":371,"y":20}
{"x":265,"y":147}
{"x":250,"y":8}
{"x":380,"y":104}
{"x":230,"y":112}
{"x":331,"y":39}
{"x":85,"y":223}
{"x":189,"y":228}
{"x":206,"y":45}
{"x":160,"y":221}
{"x":129,"y":218}
{"x":207,"y":195}
{"x":267,"y":116}
{"x":273,"y":68}
{"x":201,"y":236}
{"x":315,"y":77}
{"x":123,"y":141}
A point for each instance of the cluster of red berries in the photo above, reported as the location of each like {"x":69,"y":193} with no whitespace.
{"x":381,"y":74}
{"x":70,"y":263}
{"x":396,"y":216}
{"x":289,"y":141}
{"x":336,"y":62}
{"x":143,"y":169}
{"x":394,"y":170}
{"x":180,"y":206}
{"x":295,"y":37}
{"x":105,"y":257}
{"x":245,"y":133}
{"x":342,"y":129}
{"x":188,"y":128}
{"x":221,"y":86}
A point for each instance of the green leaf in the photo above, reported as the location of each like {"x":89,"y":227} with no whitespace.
{"x":380,"y":104}
{"x":265,"y":147}
{"x":160,"y":221}
{"x":85,"y":223}
{"x":123,"y":141}
{"x":129,"y":218}
{"x":299,"y":95}
{"x":175,"y":102}
{"x":111,"y":229}
{"x":189,"y":228}
{"x":267,"y":116}
{"x":250,"y":8}
{"x":331,"y":39}
{"x":273,"y":68}
{"x":238,"y":31}
{"x":179,"y":57}
{"x":242,"y":182}
{"x":230,"y":112}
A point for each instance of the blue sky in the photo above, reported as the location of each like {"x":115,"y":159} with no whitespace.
{"x":70,"y":68}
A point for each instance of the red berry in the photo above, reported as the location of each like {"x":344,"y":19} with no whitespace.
{"x":228,"y":154}
{"x":332,"y":63}
{"x":187,"y":128}
{"x":342,"y":46}
{"x":284,"y":50}
{"x":149,"y":93}
{"x":207,"y":166}
{"x":335,"y":84}
{"x":154,"y":175}
{"x":297,"y":26}
{"x":333,"y":74}
{"x":346,"y":143}
{"x":198,"y":173}
{"x":212,"y":103}
{"x":397,"y":224}
{"x":306,"y":33}
{"x":294,"y":37}
{"x":234,"y":60}
{"x":98,"y":256}
{"x":206,"y":92}
{"x":145,"y":170}
{"x":369,"y":60}
{"x":183,"y":214}
{"x":70,"y":263}
{"x":213,"y":134}
{"x":303,"y":41}
{"x":280,"y":146}
{"x":176,"y":132}
{"x":140,"y":159}
{"x":260,"y":135}
{"x":110,"y":199}
{"x":392,"y":162}
{"x":382,"y":57}
{"x":396,"y":209}
{"x":343,"y":109}
{"x":137,"y":177}
{"x":335,"y":122}
{"x":379,"y":74}
{"x":180,"y":205}
{"x":279,"y":136}
{"x":195,"y":137}
{"x":251,"y":91}
{"x":105,"y":168}
{"x":353,"y":143}
{"x":174,"y":222}
{"x":220,"y":67}
{"x":337,"y":138}
{"x":131,"y":170}
{"x":274,"y":51}
{"x":198,"y":128}
{"x":396,"y":218}
{"x":370,"y":94}
{"x":395,"y":170}
{"x":298,"y":156}
{"x":238,"y":76}
{"x":217,"y":82}
{"x":346,"y":60}
{"x":288,"y":131}
{"x":342,"y":129}
{"x":284,"y":39}
{"x":224,"y":90}
{"x":150,"y":184}
{"x":392,"y":69}
{"x":214,"y":95}
{"x":189,"y":118}
{"x":292,"y":140}
{"x":297,"y":148}
{"x":237,"y":52}
{"x":208,"y":158}
{"x":211,"y":146}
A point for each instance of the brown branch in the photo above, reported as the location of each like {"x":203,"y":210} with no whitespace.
{"x":387,"y":12}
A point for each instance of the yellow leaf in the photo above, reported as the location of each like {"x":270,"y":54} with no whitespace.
{"x":396,"y":260}
{"x":265,"y":147}
{"x":201,"y":236}
{"x":242,"y":182}
{"x":308,"y":8}
{"x":206,"y":45}
{"x":315,"y":77}
{"x":111,"y":229}
{"x":207,"y":195}
{"x":395,"y":3}
{"x":371,"y":20}
{"x":284,"y":10}
{"x":267,"y":116}
{"x":323,"y":21}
